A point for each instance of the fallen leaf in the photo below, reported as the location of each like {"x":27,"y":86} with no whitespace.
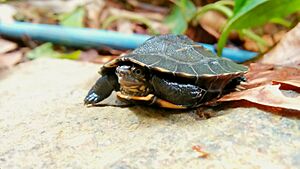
{"x":213,"y":22}
{"x":261,"y":74}
{"x":73,"y":19}
{"x":6,"y":46}
{"x":33,"y":14}
{"x":125,"y":26}
{"x":179,"y":16}
{"x":93,"y":56}
{"x":72,"y":56}
{"x":262,"y":45}
{"x":293,"y":84}
{"x":103,"y":59}
{"x":7,"y":13}
{"x":250,"y":45}
{"x":46,"y":50}
{"x":148,"y":7}
{"x":149,"y":15}
{"x":152,"y":22}
{"x":287,"y":52}
{"x":202,"y":154}
{"x":140,"y":29}
{"x":57,"y":6}
{"x":268,"y":97}
{"x":197,"y":33}
{"x":279,"y":35}
{"x":93,"y":11}
{"x":9,"y":59}
{"x":88,"y":55}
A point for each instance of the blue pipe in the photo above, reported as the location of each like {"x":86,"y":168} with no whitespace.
{"x":86,"y":37}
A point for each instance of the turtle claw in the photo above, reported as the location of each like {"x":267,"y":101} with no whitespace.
{"x":92,"y":98}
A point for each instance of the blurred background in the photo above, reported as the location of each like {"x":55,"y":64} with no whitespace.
{"x":241,"y":24}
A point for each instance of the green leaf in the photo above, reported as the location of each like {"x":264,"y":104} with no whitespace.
{"x":44,"y":50}
{"x":176,"y":21}
{"x":281,"y":21}
{"x":73,"y":19}
{"x":188,"y":9}
{"x":73,"y":56}
{"x":251,"y":13}
{"x":180,"y":15}
{"x":238,"y":4}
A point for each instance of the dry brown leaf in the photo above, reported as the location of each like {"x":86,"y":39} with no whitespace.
{"x":6,"y":46}
{"x":261,"y":74}
{"x":268,"y":97}
{"x":279,"y":35}
{"x":7,"y":13}
{"x":199,"y":149}
{"x":154,"y":19}
{"x":88,"y":55}
{"x":213,"y":22}
{"x":262,"y":94}
{"x":92,"y":55}
{"x":252,"y":45}
{"x":9,"y":59}
{"x":287,"y":52}
{"x":94,"y":10}
{"x":104,"y":59}
{"x":148,"y":7}
{"x":125,"y":26}
{"x":57,"y":6}
{"x":293,"y":84}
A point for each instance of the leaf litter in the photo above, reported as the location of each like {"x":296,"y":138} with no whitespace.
{"x":287,"y":52}
{"x":273,"y":84}
{"x":9,"y":56}
{"x":268,"y":97}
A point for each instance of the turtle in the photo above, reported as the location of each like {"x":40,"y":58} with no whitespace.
{"x":169,"y":71}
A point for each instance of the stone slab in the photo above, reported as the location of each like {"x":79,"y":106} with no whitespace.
{"x":44,"y":124}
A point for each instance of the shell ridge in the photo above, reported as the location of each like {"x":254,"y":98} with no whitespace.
{"x":191,"y":66}
{"x":223,"y":67}
{"x":211,"y":69}
{"x":155,"y":62}
{"x":175,"y":69}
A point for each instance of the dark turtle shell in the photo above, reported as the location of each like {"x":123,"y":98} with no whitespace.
{"x":180,"y":56}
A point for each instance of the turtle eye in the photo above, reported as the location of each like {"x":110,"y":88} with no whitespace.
{"x":138,"y":72}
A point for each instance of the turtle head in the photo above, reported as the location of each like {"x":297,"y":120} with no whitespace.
{"x":132,"y":80}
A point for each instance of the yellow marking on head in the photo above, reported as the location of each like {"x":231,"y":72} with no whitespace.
{"x":142,"y":88}
{"x":134,"y":90}
{"x":130,"y":87}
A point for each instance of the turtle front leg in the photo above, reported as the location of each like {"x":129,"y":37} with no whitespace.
{"x":187,"y":95}
{"x":102,"y":89}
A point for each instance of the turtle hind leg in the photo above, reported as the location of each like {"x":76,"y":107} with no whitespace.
{"x":235,"y":84}
{"x":102,"y":89}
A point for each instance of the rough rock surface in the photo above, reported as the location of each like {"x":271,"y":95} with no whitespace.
{"x":44,"y":124}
